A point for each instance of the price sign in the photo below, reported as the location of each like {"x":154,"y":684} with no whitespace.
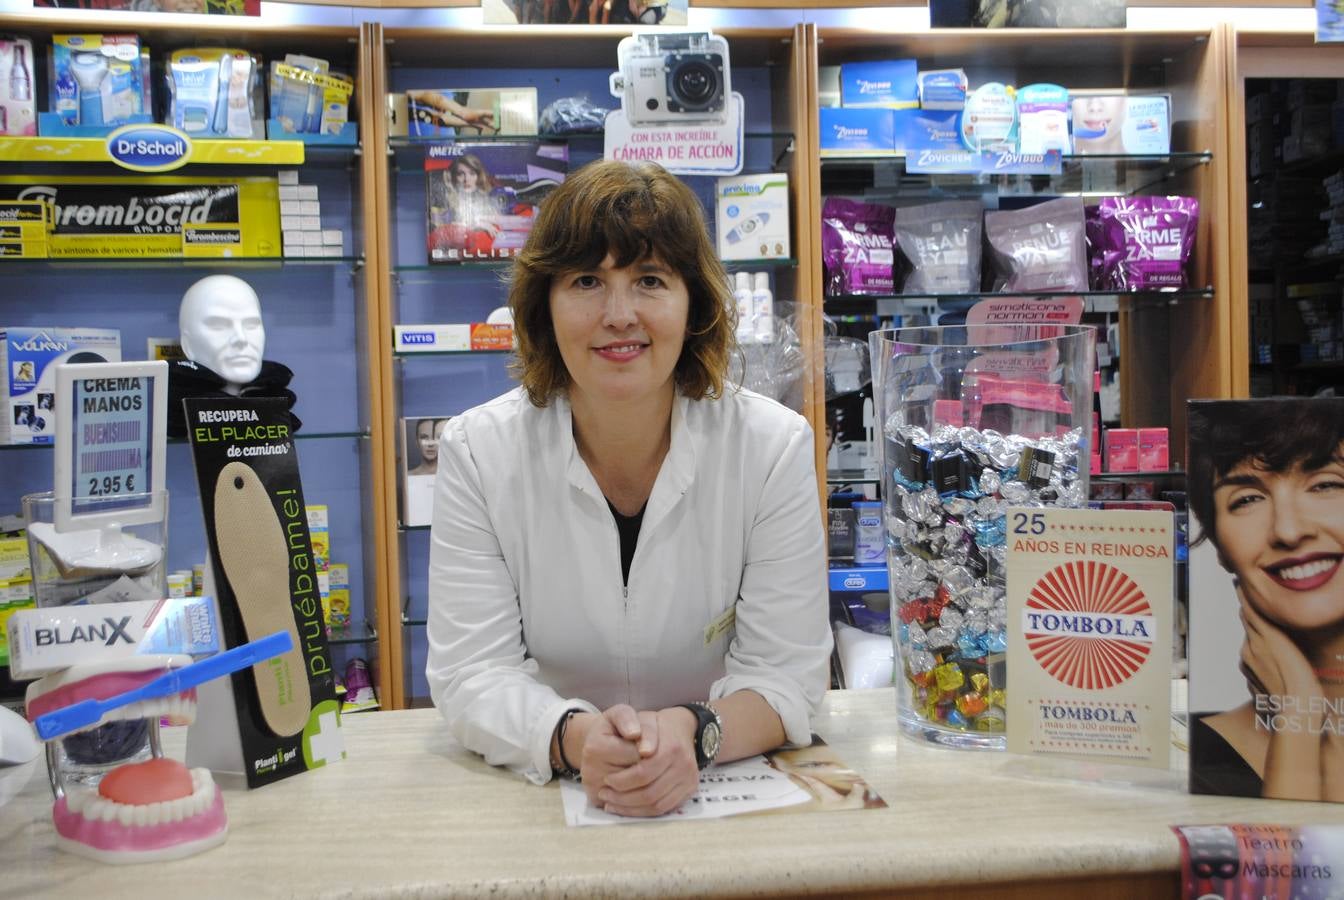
{"x":110,"y":442}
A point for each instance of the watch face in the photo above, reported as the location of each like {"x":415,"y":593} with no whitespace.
{"x":709,"y":742}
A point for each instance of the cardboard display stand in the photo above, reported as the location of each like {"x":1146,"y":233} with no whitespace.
{"x":280,"y":717}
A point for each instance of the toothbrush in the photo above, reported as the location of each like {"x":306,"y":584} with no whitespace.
{"x":87,"y":712}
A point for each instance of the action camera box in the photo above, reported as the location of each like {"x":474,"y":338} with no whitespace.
{"x":751,"y":217}
{"x":29,"y":357}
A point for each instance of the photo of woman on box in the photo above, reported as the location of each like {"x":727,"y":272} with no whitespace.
{"x":1267,"y":486}
{"x":627,"y":560}
{"x":465,"y":207}
{"x":426,"y":442}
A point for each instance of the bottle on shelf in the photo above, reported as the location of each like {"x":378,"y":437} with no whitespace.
{"x":763,"y":309}
{"x":742,"y":294}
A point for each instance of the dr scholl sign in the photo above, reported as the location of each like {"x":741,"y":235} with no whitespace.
{"x":149,"y":148}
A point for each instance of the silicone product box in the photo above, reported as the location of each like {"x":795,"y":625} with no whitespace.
{"x":27,"y":356}
{"x":1122,"y":450}
{"x":1154,"y":450}
{"x":893,"y":84}
{"x":18,"y":104}
{"x":857,"y":132}
{"x":51,"y":638}
{"x":752,"y":216}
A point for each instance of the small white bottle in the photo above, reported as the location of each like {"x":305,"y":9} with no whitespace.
{"x":763,"y":309}
{"x":746,"y":333}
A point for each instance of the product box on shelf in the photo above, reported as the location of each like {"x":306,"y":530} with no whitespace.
{"x":28,"y":357}
{"x":1154,"y":453}
{"x":1108,"y":123}
{"x":306,"y":97}
{"x":24,"y":228}
{"x":215,"y":92}
{"x":893,"y":84}
{"x":418,"y":452}
{"x":1122,"y":450}
{"x":927,"y":129}
{"x":18,"y":104}
{"x":97,"y":79}
{"x":119,"y":217}
{"x":458,"y":112}
{"x":481,"y":198}
{"x":458,"y":337}
{"x":857,"y":132}
{"x":752,"y":216}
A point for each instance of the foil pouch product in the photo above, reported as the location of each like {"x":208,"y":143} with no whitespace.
{"x":1040,"y":248}
{"x":1146,"y":242}
{"x":857,"y":247}
{"x":942,"y":243}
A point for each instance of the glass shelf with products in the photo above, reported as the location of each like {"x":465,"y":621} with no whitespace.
{"x":406,"y":619}
{"x":412,"y":354}
{"x":1124,"y":476}
{"x":1094,"y":301}
{"x":53,"y":264}
{"x":361,"y":633}
{"x":503,"y":265}
{"x":298,"y":436}
{"x":851,"y":476}
{"x":1093,"y":175}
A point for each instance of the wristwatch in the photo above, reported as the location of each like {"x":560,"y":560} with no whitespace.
{"x":708,"y":733}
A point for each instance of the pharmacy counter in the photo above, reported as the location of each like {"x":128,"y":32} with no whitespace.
{"x":410,"y":814}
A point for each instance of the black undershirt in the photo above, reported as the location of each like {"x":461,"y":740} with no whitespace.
{"x":628,"y":528}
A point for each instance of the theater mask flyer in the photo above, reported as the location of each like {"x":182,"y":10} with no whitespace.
{"x":1089,"y":634}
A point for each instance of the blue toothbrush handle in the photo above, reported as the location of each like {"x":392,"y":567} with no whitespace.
{"x":86,"y":712}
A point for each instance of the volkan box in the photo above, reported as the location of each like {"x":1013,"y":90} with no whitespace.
{"x":57,"y":637}
{"x":752,"y":216}
{"x":892,"y":83}
{"x":857,"y":132}
{"x":28,"y":357}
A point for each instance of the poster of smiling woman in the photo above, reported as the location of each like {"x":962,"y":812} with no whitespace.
{"x":1266,"y":493}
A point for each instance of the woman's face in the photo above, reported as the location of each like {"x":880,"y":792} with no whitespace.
{"x":464,"y":177}
{"x":1103,"y":114}
{"x":1282,"y":535}
{"x":620,"y":331}
{"x":427,"y":436}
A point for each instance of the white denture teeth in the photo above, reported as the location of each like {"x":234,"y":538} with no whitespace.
{"x":95,"y":807}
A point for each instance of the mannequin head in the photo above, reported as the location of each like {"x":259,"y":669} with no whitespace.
{"x":221,"y":329}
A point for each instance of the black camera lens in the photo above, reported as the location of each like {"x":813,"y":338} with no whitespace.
{"x":694,"y":83}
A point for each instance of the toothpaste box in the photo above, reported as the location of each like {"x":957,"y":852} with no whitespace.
{"x":1121,"y":123}
{"x":46,"y":639}
{"x":752,"y":216}
{"x":28,"y":357}
{"x":857,"y":132}
{"x":892,"y":83}
{"x":452,"y":338}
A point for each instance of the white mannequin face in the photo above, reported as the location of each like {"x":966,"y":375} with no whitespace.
{"x":221,"y":328}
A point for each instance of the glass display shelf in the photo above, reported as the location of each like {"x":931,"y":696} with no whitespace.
{"x":409,"y":154}
{"x":298,"y":436}
{"x":731,"y":265}
{"x":848,"y":304}
{"x":412,"y":354}
{"x":49,"y":264}
{"x":1124,"y":476}
{"x":406,"y":619}
{"x":851,"y":476}
{"x":405,"y":528}
{"x":1101,"y":175}
{"x":361,"y":633}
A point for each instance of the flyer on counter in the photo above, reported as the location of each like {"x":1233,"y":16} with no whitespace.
{"x":800,"y":779}
{"x":1236,"y":861}
{"x":1089,"y":634}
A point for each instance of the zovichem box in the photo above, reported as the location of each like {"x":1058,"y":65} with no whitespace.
{"x":857,"y":132}
{"x":752,"y":216}
{"x":893,"y":84}
{"x":28,"y":356}
{"x":48,"y":639}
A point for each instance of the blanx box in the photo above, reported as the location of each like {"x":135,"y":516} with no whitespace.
{"x":52,"y":638}
{"x":752,"y":216}
{"x":461,"y":337}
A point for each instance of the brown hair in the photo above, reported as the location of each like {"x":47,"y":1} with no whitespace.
{"x":632,"y":212}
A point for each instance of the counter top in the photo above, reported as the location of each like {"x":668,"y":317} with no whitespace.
{"x":409,"y":813}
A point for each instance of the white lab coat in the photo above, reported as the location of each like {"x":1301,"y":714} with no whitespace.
{"x":528,"y":615}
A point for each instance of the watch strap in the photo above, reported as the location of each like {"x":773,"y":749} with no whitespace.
{"x":706,"y":720}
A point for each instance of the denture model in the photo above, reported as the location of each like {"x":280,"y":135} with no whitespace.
{"x":140,"y":811}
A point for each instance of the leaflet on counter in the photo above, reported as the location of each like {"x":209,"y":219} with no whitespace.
{"x":802,"y":779}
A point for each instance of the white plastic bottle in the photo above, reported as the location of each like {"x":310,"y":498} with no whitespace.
{"x":763,"y":309}
{"x":742,"y":294}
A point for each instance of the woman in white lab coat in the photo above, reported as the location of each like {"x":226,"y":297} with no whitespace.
{"x":627,"y":572}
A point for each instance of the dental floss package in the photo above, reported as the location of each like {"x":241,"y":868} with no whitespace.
{"x":48,"y":639}
{"x":97,"y":79}
{"x":211,"y":93}
{"x":307,"y":97}
{"x":752,"y":216}
{"x":18,"y":109}
{"x":28,"y":357}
